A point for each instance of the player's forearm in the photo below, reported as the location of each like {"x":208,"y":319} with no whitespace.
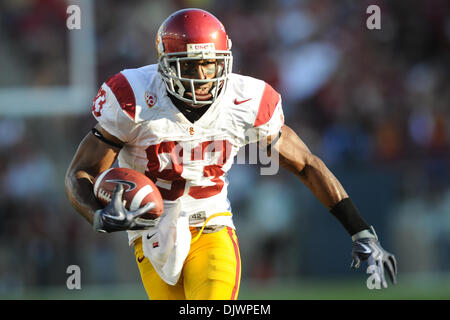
{"x":80,"y":193}
{"x":295,"y":156}
{"x":328,"y":190}
{"x":322,"y":183}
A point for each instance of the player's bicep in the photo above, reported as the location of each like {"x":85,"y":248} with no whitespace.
{"x":94,"y":155}
{"x":292,"y":151}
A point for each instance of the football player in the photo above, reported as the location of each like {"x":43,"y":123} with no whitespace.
{"x":181,"y":121}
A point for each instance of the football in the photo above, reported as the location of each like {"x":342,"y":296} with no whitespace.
{"x":138,"y":190}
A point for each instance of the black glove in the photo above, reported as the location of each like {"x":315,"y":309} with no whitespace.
{"x":115,"y":217}
{"x":366,"y":246}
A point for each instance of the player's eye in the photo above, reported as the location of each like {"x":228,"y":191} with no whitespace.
{"x":209,"y":68}
{"x":191,"y":68}
{"x":188,"y":67}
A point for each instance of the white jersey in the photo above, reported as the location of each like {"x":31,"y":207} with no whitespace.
{"x":187,"y":161}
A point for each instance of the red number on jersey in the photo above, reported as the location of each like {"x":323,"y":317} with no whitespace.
{"x":223,"y":148}
{"x":99,"y":100}
{"x":174,"y":154}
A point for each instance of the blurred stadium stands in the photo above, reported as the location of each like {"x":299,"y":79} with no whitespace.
{"x":373,"y":104}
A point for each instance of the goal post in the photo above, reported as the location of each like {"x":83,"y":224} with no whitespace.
{"x":74,"y":98}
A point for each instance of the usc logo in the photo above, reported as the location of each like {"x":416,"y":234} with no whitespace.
{"x":150,"y":99}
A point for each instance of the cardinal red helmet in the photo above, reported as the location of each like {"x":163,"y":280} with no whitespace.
{"x":189,"y":35}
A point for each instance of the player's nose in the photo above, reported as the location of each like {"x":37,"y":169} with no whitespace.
{"x":199,"y":72}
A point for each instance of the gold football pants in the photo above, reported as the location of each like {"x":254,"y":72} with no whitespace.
{"x":212,"y":270}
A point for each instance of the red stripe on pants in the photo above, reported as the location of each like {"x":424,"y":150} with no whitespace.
{"x":238,"y":264}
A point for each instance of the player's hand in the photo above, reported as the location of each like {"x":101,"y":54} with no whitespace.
{"x":366,"y":246}
{"x":115,"y":217}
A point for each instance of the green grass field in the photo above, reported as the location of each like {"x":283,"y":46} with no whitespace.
{"x":338,"y":290}
{"x":409,"y":288}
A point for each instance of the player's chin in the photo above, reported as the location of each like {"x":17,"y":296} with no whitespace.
{"x":199,"y":97}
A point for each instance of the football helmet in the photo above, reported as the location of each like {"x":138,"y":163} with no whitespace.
{"x":191,"y":35}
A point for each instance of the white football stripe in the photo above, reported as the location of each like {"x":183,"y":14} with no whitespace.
{"x":140,"y":195}
{"x":100,"y":178}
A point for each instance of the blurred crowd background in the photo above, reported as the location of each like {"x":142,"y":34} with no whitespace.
{"x":373,"y":104}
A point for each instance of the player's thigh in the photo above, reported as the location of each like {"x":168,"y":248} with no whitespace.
{"x":213,"y":268}
{"x":155,"y":287}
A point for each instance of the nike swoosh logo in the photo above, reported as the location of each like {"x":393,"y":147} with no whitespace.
{"x":140,"y":259}
{"x":239,"y":102}
{"x":150,"y":236}
{"x":131,"y":185}
{"x":368,"y":250}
